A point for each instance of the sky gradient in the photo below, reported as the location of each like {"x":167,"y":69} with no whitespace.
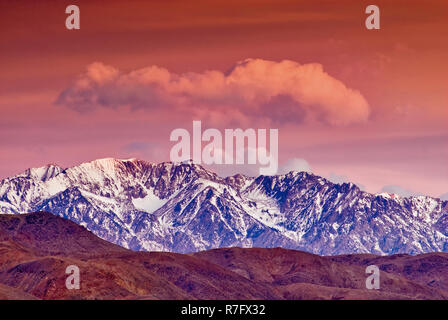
{"x":370,"y":107}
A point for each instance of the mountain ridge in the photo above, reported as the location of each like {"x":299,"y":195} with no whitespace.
{"x":186,"y":208}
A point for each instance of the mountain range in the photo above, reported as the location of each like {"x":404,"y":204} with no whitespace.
{"x":183,"y":207}
{"x":36,"y":249}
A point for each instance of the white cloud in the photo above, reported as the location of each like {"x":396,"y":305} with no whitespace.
{"x":283,"y":91}
{"x":399,"y":191}
{"x":335,"y":178}
{"x":295,"y":164}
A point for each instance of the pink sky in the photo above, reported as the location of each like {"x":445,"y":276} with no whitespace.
{"x":363,"y":106}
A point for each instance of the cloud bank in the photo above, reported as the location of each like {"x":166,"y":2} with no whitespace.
{"x":295,"y":164}
{"x":335,"y":178}
{"x":283,"y":91}
{"x":400,"y":191}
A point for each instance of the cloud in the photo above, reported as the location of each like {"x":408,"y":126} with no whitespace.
{"x":399,"y":191}
{"x":138,"y":146}
{"x":295,"y":164}
{"x":283,"y":91}
{"x":340,"y":179}
{"x":444,"y":196}
{"x":337,"y":178}
{"x":146,"y":150}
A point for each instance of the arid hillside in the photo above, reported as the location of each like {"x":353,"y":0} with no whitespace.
{"x":36,"y":249}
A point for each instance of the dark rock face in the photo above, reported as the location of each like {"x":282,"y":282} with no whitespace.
{"x":186,"y":208}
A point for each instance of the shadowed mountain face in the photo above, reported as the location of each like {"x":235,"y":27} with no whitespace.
{"x":36,"y":249}
{"x":186,"y":208}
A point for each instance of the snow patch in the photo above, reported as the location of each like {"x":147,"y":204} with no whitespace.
{"x":150,"y":203}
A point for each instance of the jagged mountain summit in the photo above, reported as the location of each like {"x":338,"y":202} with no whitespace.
{"x":186,"y":208}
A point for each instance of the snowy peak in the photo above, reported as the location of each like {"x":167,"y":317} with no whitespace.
{"x":43,"y":173}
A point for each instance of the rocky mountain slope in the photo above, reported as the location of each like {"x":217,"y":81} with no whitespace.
{"x":186,"y":208}
{"x":36,"y":249}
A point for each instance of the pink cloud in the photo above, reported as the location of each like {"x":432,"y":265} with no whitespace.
{"x":282,"y":92}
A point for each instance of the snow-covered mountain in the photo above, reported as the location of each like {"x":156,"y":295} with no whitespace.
{"x":185,"y":208}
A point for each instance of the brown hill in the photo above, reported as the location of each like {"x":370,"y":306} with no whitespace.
{"x":301,"y":275}
{"x":35,"y":250}
{"x":8,"y":293}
